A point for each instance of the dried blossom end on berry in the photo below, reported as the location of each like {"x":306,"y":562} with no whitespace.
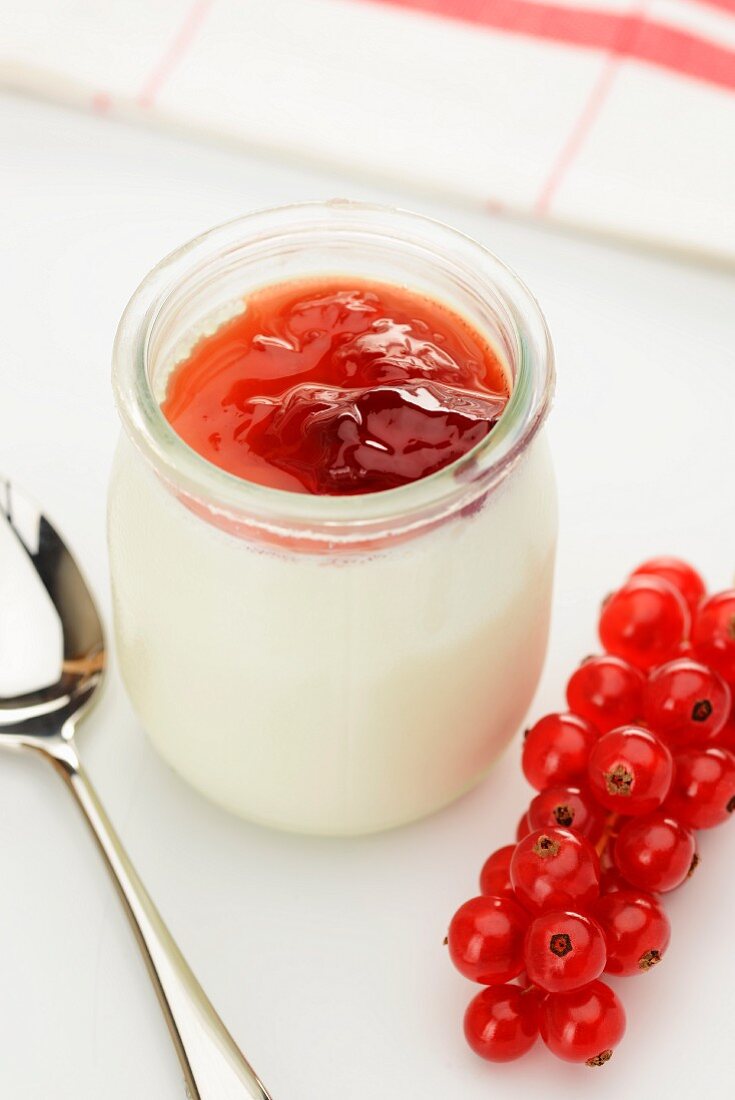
{"x":546,"y":847}
{"x":560,"y":944}
{"x":619,"y":781}
{"x":650,"y":959}
{"x":693,"y":865}
{"x":630,"y":770}
{"x":600,"y":1059}
{"x":701,"y":710}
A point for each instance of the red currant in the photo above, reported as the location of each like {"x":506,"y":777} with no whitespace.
{"x":703,"y":791}
{"x":501,"y":1023}
{"x":650,"y":736}
{"x":611,"y":881}
{"x":607,"y":691}
{"x":486,"y":939}
{"x":610,"y":877}
{"x":564,"y":951}
{"x":655,"y":852}
{"x":556,"y":749}
{"x":630,"y":770}
{"x":725,"y":739}
{"x":569,"y":807}
{"x":636,"y":929}
{"x":686,"y":703}
{"x":555,"y":868}
{"x":714,"y":634}
{"x":680,"y":573}
{"x":495,"y":874}
{"x":644,"y":622}
{"x":523,"y":828}
{"x":584,"y":1025}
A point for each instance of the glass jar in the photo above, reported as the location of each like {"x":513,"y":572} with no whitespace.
{"x":332,"y":665}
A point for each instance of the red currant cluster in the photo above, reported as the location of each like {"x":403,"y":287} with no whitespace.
{"x":644,"y":757}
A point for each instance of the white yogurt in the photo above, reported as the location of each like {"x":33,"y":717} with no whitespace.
{"x":323,"y":695}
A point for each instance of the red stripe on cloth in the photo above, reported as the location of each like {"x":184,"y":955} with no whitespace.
{"x":724,"y":5}
{"x":576,"y":139}
{"x":588,"y":117}
{"x":631,"y":35}
{"x":174,"y":52}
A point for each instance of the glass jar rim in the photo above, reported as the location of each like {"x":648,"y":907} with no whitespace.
{"x":349,"y":518}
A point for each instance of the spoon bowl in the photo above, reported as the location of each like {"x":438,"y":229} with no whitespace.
{"x":24,"y":717}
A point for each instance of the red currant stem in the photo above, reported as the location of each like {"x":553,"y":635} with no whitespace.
{"x":607,"y":832}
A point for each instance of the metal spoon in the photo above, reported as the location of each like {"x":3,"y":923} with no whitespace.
{"x":52,"y":660}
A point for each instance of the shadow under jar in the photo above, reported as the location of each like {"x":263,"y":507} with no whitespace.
{"x":330,"y":664}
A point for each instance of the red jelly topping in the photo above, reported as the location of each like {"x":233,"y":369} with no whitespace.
{"x":337,"y":386}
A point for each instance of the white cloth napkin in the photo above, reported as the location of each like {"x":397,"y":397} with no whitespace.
{"x":614,"y":115}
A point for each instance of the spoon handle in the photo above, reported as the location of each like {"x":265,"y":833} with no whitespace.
{"x":214,"y":1067}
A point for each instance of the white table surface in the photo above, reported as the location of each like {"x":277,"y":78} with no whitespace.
{"x":326,"y":958}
